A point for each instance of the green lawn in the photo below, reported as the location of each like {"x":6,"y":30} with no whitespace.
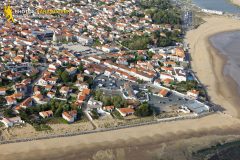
{"x":42,"y":127}
{"x":56,"y":120}
{"x":1,"y":124}
{"x":117,"y":115}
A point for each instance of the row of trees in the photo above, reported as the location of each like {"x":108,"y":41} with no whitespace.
{"x":159,"y":38}
{"x":170,"y":38}
{"x":64,"y":75}
{"x":162,"y":11}
{"x":56,"y":106}
{"x":116,"y":101}
{"x":142,"y":111}
{"x":185,"y":86}
{"x":137,"y":42}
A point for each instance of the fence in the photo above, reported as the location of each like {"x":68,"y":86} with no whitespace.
{"x":108,"y":129}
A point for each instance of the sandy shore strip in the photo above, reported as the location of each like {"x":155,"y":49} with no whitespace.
{"x":131,"y":136}
{"x":208,"y":64}
{"x":236,"y":2}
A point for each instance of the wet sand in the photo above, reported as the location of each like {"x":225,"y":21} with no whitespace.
{"x":209,"y":64}
{"x":169,"y":140}
{"x":236,"y":2}
{"x":133,"y":143}
{"x":227,"y":44}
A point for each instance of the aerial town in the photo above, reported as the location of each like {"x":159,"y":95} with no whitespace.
{"x":105,"y":61}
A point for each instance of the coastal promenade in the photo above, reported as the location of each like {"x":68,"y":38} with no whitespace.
{"x":156,"y":121}
{"x":128,"y":137}
{"x":206,"y":64}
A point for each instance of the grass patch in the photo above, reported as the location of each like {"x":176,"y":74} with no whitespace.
{"x":42,"y":127}
{"x":56,"y":120}
{"x":1,"y":124}
{"x":117,"y":115}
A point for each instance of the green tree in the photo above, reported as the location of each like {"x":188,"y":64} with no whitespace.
{"x":24,"y":116}
{"x":98,"y":95}
{"x":144,"y":110}
{"x":8,"y":113}
{"x":79,"y":113}
{"x":59,"y":111}
{"x":89,"y":81}
{"x":65,"y":77}
{"x":107,"y":101}
{"x":162,"y":11}
{"x":137,"y":42}
{"x":164,"y":42}
{"x":118,"y":101}
{"x":81,"y":68}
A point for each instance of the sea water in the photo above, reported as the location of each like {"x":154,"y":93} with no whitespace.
{"x":219,"y":5}
{"x":228,"y":44}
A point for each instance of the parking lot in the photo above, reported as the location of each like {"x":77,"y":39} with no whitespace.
{"x":106,"y":82}
{"x":79,"y":49}
{"x":165,"y":103}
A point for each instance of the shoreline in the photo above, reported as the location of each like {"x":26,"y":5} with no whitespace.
{"x":235,"y":2}
{"x":231,"y":84}
{"x":140,"y":140}
{"x":135,"y":138}
{"x":71,"y":134}
{"x":208,"y":63}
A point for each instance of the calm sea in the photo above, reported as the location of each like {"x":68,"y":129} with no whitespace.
{"x":228,"y":43}
{"x":220,"y":5}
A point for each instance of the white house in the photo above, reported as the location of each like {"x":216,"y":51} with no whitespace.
{"x":94,"y":104}
{"x":64,"y":90}
{"x":164,"y":76}
{"x":109,"y":49}
{"x":26,"y":103}
{"x":3,"y":91}
{"x":50,"y":94}
{"x":180,"y":74}
{"x":46,"y":114}
{"x":82,"y":86}
{"x":85,"y":40}
{"x":125,"y":111}
{"x":72,"y":70}
{"x":95,"y":59}
{"x":42,"y":82}
{"x":9,"y":122}
{"x":193,"y":94}
{"x":108,"y":72}
{"x":163,"y":93}
{"x":53,"y":67}
{"x":70,"y":116}
{"x":11,"y":100}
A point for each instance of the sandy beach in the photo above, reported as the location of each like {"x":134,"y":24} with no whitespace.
{"x":236,"y":2}
{"x":151,"y":135}
{"x":153,"y":141}
{"x":208,"y":64}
